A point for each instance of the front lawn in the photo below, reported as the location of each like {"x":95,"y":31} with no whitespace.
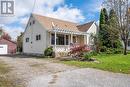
{"x":116,"y":63}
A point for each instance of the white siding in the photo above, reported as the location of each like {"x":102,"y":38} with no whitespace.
{"x":36,"y":47}
{"x":93,"y":30}
{"x":128,"y":47}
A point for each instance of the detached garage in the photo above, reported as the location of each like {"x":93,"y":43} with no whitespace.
{"x":7,"y":47}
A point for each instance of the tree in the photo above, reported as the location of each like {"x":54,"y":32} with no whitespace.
{"x":121,"y":8}
{"x":20,"y":43}
{"x":103,"y":27}
{"x":6,"y":36}
{"x":103,"y":17}
{"x":113,"y":30}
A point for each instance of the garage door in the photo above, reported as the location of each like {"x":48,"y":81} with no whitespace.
{"x":3,"y":49}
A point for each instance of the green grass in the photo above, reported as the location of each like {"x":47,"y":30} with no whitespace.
{"x":116,"y":63}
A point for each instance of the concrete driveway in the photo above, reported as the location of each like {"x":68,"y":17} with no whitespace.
{"x":32,"y":72}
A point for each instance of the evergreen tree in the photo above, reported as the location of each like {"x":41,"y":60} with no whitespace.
{"x":103,"y":31}
{"x":105,"y":15}
{"x":113,"y":30}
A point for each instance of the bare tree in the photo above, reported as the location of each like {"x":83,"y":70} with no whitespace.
{"x":121,"y":8}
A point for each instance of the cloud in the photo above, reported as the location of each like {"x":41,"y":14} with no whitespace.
{"x":63,"y":12}
{"x":68,"y":14}
{"x":92,"y":9}
{"x":94,"y":6}
{"x":23,"y":8}
{"x":23,"y":21}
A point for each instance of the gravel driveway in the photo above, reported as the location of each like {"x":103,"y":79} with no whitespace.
{"x":31,"y":72}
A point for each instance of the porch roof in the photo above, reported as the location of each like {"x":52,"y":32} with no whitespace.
{"x":67,"y":32}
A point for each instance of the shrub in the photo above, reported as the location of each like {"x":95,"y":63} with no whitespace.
{"x":113,"y":51}
{"x":77,"y":51}
{"x":118,"y":44}
{"x":103,"y":49}
{"x":93,"y":53}
{"x":117,"y":51}
{"x":87,"y":56}
{"x":48,"y":51}
{"x":109,"y":51}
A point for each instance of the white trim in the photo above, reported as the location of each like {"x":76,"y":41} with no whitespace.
{"x":91,"y":25}
{"x":68,"y":32}
{"x":71,"y":39}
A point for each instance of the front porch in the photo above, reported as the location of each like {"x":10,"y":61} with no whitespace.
{"x":62,"y":41}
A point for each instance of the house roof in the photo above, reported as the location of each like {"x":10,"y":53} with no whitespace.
{"x":49,"y":23}
{"x":85,"y":27}
{"x":7,"y":40}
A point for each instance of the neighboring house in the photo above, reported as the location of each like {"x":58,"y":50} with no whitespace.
{"x":41,"y":31}
{"x":7,"y":47}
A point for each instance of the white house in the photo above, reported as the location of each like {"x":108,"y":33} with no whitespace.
{"x":41,"y":31}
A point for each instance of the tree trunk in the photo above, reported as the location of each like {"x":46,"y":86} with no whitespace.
{"x":125,"y":47}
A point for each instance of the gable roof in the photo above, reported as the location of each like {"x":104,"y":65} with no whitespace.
{"x":85,"y":27}
{"x":7,"y":40}
{"x":49,"y":23}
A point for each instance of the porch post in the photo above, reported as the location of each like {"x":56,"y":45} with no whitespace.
{"x":55,"y":41}
{"x":50,"y":39}
{"x":85,"y":39}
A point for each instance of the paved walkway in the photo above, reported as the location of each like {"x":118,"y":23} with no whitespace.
{"x":45,"y":73}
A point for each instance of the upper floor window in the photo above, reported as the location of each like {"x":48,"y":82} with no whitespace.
{"x":30,"y":23}
{"x":33,"y":21}
{"x":38,"y":37}
{"x":27,"y":39}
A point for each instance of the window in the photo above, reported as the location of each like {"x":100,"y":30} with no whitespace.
{"x":128,"y":42}
{"x":38,"y":37}
{"x":27,"y":39}
{"x":60,"y":39}
{"x":33,"y":21}
{"x":52,"y":39}
{"x":30,"y":23}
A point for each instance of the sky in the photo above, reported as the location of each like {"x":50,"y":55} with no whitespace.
{"x":79,"y":11}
